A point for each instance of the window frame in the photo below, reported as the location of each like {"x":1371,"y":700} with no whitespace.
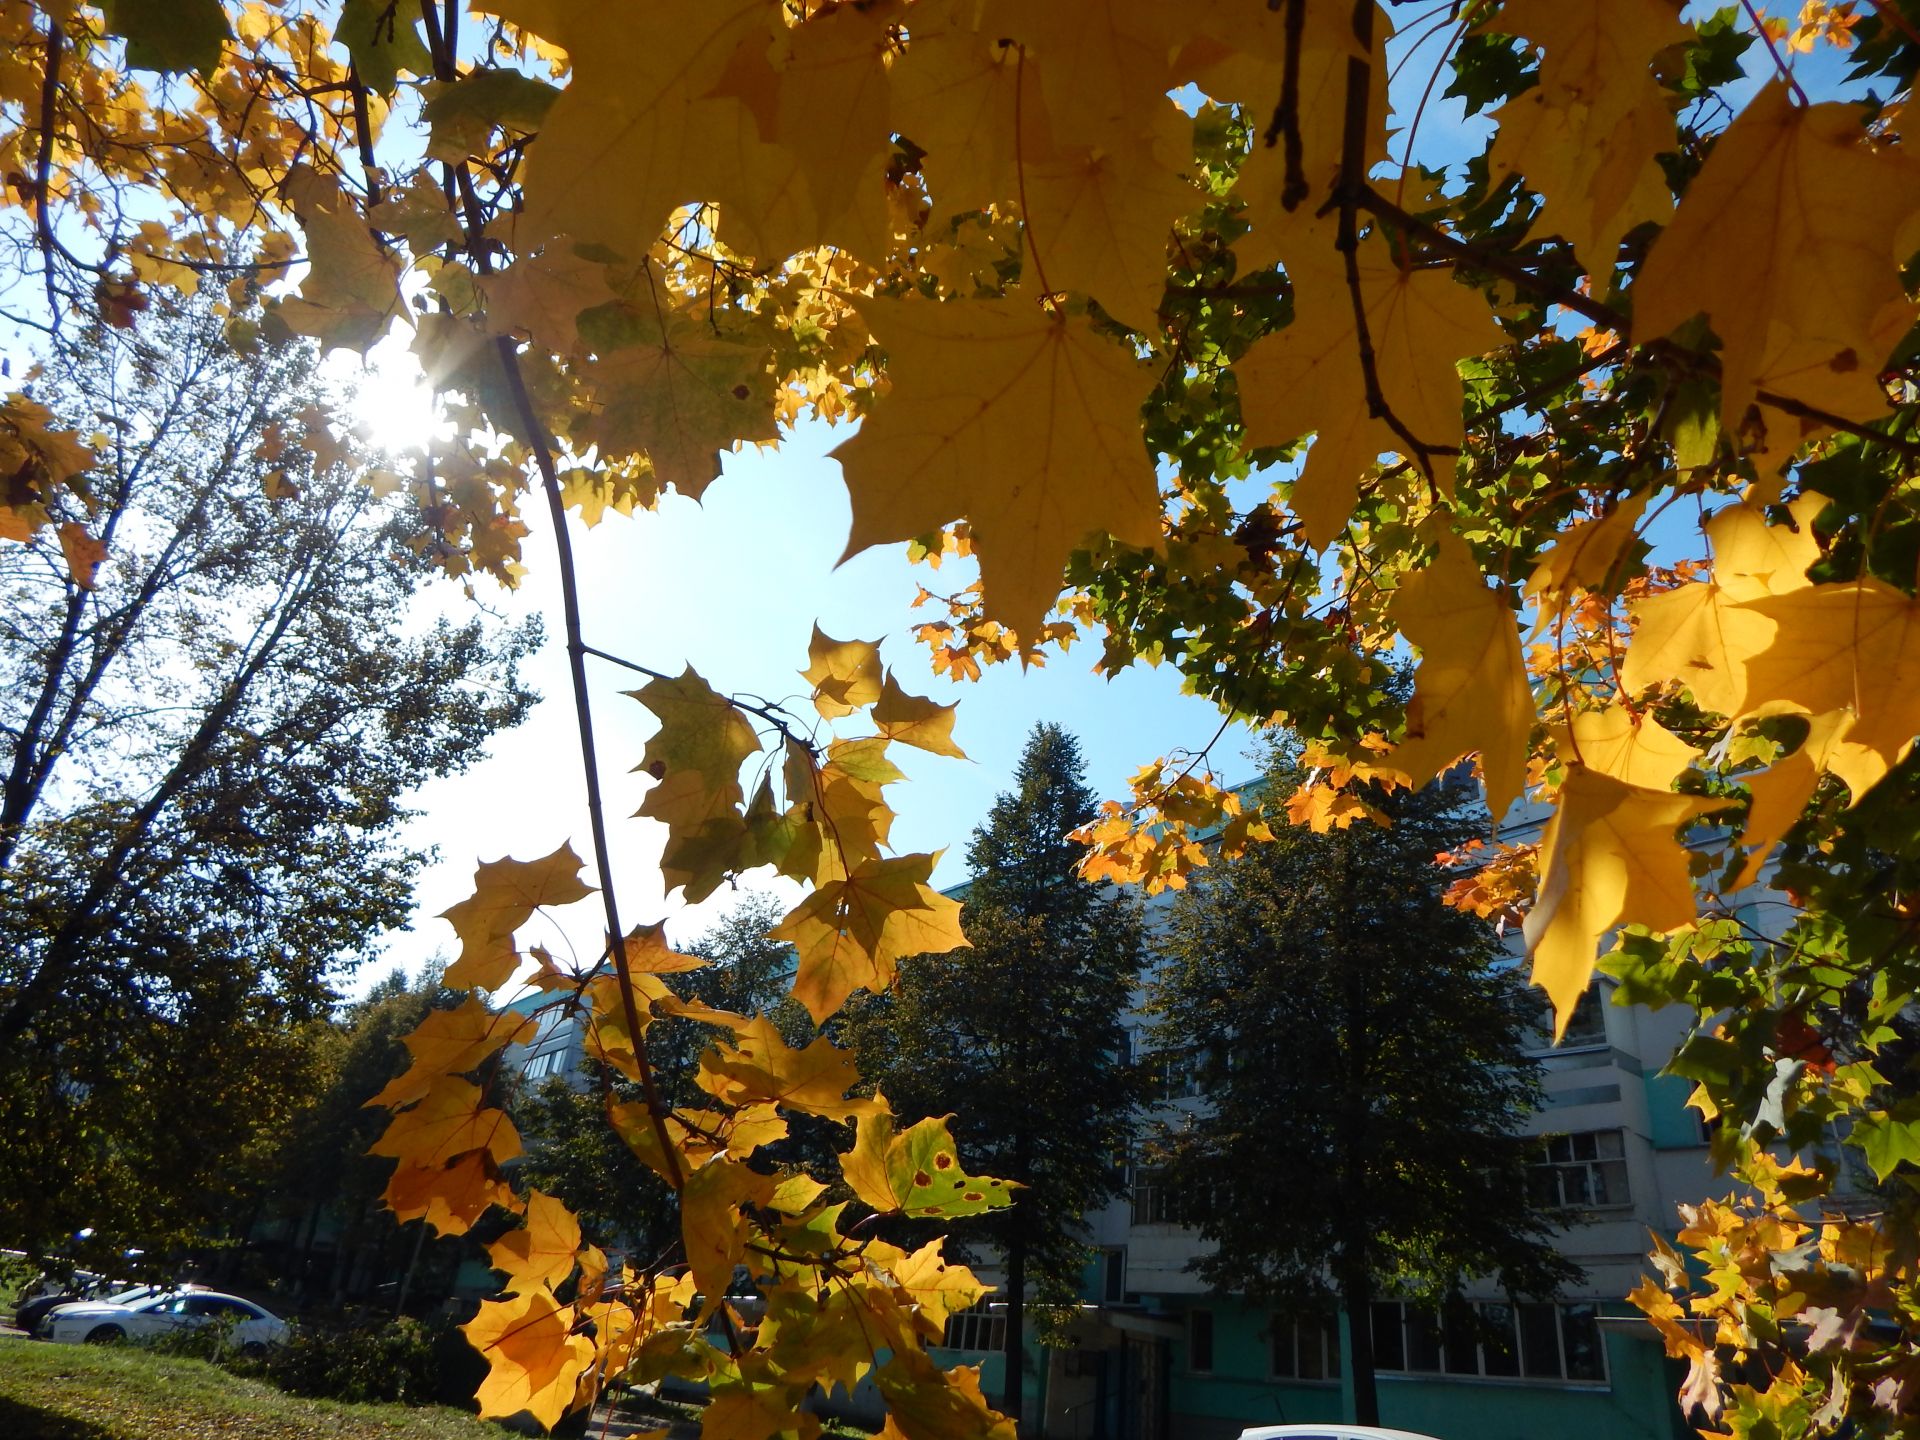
{"x":1591,"y":1169}
{"x":1200,"y":1318}
{"x":1525,"y":1360}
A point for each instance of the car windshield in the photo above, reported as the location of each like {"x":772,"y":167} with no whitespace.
{"x":127,"y":1296}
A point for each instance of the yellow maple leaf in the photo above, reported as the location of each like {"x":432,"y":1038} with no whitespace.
{"x":506,"y":892}
{"x":451,"y":1119}
{"x":1586,"y":137}
{"x":835,"y":98}
{"x":1753,"y":556}
{"x":1024,"y":421}
{"x":928,"y":1403}
{"x":850,"y":934}
{"x":1852,"y":646}
{"x":1470,"y":693}
{"x":845,"y":674}
{"x":449,"y":1199}
{"x":351,"y":291}
{"x":1608,"y":857}
{"x":641,"y":106}
{"x":971,"y":103}
{"x":1786,"y":241}
{"x":1697,"y":635}
{"x":915,"y":721}
{"x":84,"y":554}
{"x":533,"y":1357}
{"x":1628,"y":745}
{"x":1586,"y":556}
{"x":1781,"y":792}
{"x":1307,"y":378}
{"x":541,"y":1253}
{"x":711,"y":1225}
{"x":1703,"y":634}
{"x":940,"y":1289}
{"x":916,"y":1172}
{"x":696,"y":757}
{"x":540,"y":296}
{"x":684,"y":395}
{"x":452,"y":1042}
{"x":1104,"y":69}
{"x":761,"y":1066}
{"x":1098,"y":217}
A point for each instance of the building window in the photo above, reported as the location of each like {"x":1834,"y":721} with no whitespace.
{"x":1113,"y":1275}
{"x":1305,"y":1349}
{"x":1173,"y":1074}
{"x":979,"y":1327}
{"x":1200,"y":1342}
{"x":1581,"y":1171}
{"x":1588,"y":1023}
{"x":540,"y":1066}
{"x":1153,"y":1198}
{"x":1493,"y":1339}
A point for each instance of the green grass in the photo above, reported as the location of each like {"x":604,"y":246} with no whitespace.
{"x":86,"y":1392}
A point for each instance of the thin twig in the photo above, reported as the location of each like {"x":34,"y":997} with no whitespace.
{"x":1285,"y":125}
{"x":43,"y":179}
{"x":780,"y":719}
{"x":1779,"y":60}
{"x":363,"y":133}
{"x":536,"y":440}
{"x":1352,"y":189}
{"x":1508,"y":268}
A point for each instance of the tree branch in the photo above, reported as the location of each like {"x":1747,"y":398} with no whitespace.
{"x":536,"y":440}
{"x":1350,"y":195}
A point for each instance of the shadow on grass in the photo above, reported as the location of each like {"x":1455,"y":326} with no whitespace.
{"x":26,"y":1422}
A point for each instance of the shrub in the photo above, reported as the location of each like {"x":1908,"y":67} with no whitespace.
{"x":394,"y":1361}
{"x":17,"y":1272}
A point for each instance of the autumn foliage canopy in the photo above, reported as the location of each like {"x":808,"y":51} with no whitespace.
{"x":1610,"y":420}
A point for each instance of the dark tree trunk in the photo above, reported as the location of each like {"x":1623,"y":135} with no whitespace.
{"x":1356,"y":1299}
{"x":1014,"y":1351}
{"x":1353,"y":1263}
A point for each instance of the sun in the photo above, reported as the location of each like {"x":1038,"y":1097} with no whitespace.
{"x":389,"y":402}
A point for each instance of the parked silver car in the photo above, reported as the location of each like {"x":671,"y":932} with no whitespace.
{"x":145,"y":1317}
{"x":1328,"y":1432}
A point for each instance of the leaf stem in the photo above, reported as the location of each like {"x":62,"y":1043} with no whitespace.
{"x":1020,"y":174}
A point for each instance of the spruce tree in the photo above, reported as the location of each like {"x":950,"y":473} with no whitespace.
{"x":1362,"y":1052}
{"x":1020,"y":1038}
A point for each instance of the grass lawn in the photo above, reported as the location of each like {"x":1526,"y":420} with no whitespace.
{"x":86,"y":1392}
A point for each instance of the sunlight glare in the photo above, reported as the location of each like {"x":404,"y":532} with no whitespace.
{"x":390,"y":402}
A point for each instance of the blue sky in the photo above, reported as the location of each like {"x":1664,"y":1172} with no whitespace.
{"x":733,"y":585}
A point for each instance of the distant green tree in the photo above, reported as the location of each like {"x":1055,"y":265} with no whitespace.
{"x":314,"y":1170}
{"x":1020,"y":1036}
{"x":206,"y":746}
{"x":1362,"y":1052}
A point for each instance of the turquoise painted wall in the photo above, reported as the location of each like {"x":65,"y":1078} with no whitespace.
{"x":1674,"y":1126}
{"x":1636,"y":1404}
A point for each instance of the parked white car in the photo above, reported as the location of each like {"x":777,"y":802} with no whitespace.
{"x":144,"y":1317}
{"x":1327,"y":1432}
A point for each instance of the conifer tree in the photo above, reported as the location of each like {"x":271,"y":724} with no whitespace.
{"x":1362,"y":1051}
{"x":1020,"y":1035}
